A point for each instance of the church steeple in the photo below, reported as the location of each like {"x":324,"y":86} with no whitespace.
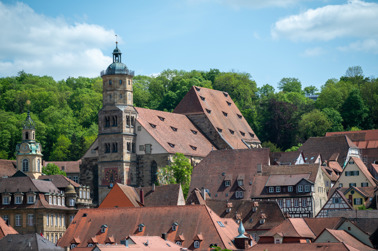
{"x":117,"y":54}
{"x":28,"y":129}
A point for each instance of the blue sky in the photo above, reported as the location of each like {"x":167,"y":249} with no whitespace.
{"x":312,"y":40}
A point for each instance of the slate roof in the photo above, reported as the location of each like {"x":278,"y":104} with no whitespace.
{"x":362,"y":139}
{"x":7,"y":167}
{"x":174,"y":129}
{"x":284,"y":158}
{"x":311,"y":157}
{"x":21,"y":242}
{"x":221,"y":111}
{"x":220,"y":165}
{"x":286,"y":179}
{"x":60,"y":181}
{"x":67,"y":166}
{"x":327,"y":146}
{"x":25,"y":184}
{"x":165,"y":195}
{"x":303,"y":246}
{"x":5,"y":229}
{"x":345,"y":237}
{"x":317,"y":225}
{"x":243,"y":209}
{"x":192,"y":220}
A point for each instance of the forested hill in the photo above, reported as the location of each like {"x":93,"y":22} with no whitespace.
{"x":65,"y":112}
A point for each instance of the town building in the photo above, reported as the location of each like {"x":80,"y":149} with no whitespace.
{"x":22,"y":242}
{"x":336,"y":202}
{"x":133,"y":142}
{"x":195,"y":227}
{"x":6,"y":229}
{"x":71,"y":168}
{"x":287,"y":158}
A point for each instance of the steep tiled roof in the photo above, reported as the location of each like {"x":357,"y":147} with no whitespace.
{"x":7,"y":167}
{"x":330,"y":173}
{"x":222,"y":165}
{"x":13,"y":242}
{"x":286,"y":179}
{"x":335,"y":166}
{"x":303,"y":246}
{"x":244,"y":209}
{"x":317,"y":225}
{"x":60,"y":181}
{"x":293,"y":227}
{"x":5,"y":229}
{"x":221,"y":112}
{"x":362,"y":139}
{"x":153,"y":243}
{"x":345,"y":237}
{"x":67,"y":166}
{"x":311,"y":157}
{"x":166,"y":195}
{"x":327,"y":146}
{"x":367,"y":192}
{"x":174,"y":132}
{"x":121,"y":222}
{"x":364,"y":170}
{"x":25,"y":184}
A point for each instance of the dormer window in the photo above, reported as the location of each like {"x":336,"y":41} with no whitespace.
{"x":202,"y":98}
{"x":179,"y":243}
{"x":290,"y":189}
{"x":239,"y":116}
{"x":208,"y":111}
{"x":307,"y":188}
{"x":227,"y":183}
{"x":193,"y":147}
{"x":174,"y":129}
{"x":239,"y":194}
{"x":140,"y":227}
{"x":225,"y":114}
{"x":225,"y":94}
{"x":103,"y":228}
{"x":262,"y":221}
{"x":171,"y":145}
{"x":30,"y":199}
{"x":228,"y":103}
{"x":73,"y":246}
{"x":219,"y":129}
{"x":174,"y":226}
{"x":152,"y":125}
{"x":193,"y":131}
{"x":198,"y":89}
{"x":196,"y":244}
{"x":278,"y":189}
{"x":18,"y":200}
{"x":161,"y":118}
{"x":240,"y":183}
{"x":242,"y":133}
{"x":231,"y":131}
{"x":300,"y":189}
{"x":252,"y":135}
{"x":50,"y":199}
{"x":271,"y":189}
{"x":6,"y":199}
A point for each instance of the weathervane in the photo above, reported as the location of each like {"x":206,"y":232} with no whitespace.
{"x":116,"y":39}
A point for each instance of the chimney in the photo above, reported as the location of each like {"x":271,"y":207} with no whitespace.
{"x":141,"y":196}
{"x":153,"y":187}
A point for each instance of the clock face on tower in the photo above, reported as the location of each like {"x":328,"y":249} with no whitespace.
{"x":111,"y":176}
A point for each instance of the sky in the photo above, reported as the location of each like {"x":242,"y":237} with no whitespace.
{"x":312,"y":40}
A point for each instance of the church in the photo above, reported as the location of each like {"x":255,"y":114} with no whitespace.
{"x":133,"y":142}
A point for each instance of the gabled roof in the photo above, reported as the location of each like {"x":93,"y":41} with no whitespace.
{"x":67,"y":166}
{"x":174,"y":132}
{"x":7,"y":167}
{"x":121,"y":196}
{"x":317,"y":225}
{"x":327,"y":146}
{"x":122,"y":222}
{"x":165,"y":195}
{"x":345,"y":237}
{"x":244,"y":209}
{"x":335,"y":166}
{"x":362,"y":168}
{"x":211,"y":172}
{"x":221,"y":111}
{"x":286,"y":179}
{"x":292,"y":227}
{"x":311,"y":157}
{"x":5,"y":229}
{"x":330,"y":173}
{"x":60,"y":181}
{"x":35,"y":241}
{"x":329,"y":205}
{"x":362,"y":139}
{"x":366,"y":192}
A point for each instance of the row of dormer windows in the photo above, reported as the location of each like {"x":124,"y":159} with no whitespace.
{"x":18,"y":199}
{"x":290,"y":189}
{"x":227,"y":183}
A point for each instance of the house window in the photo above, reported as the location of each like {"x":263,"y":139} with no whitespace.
{"x":304,"y":202}
{"x":356,"y":173}
{"x":364,"y":184}
{"x":6,"y":200}
{"x":18,"y":200}
{"x":73,"y":246}
{"x":52,"y":219}
{"x":240,"y":182}
{"x":239,"y":194}
{"x":107,"y":148}
{"x":30,"y":199}
{"x":288,"y":203}
{"x":357,"y":201}
{"x":148,"y":148}
{"x":115,"y":147}
{"x":56,"y":220}
{"x":76,"y":179}
{"x":280,"y":202}
{"x":6,"y":219}
{"x":290,"y":189}
{"x":110,"y":82}
{"x":120,"y":81}
{"x":296,"y":203}
{"x":227,"y":183}
{"x":196,"y":244}
{"x":107,"y":121}
{"x":47,"y":220}
{"x":39,"y":165}
{"x":300,"y":188}
{"x":307,"y":188}
{"x":72,"y":202}
{"x":64,"y":220}
{"x":71,"y":218}
{"x":17,"y":220}
{"x":30,"y":219}
{"x":179,"y":243}
{"x":340,"y":184}
{"x":25,"y":165}
{"x":278,"y":189}
{"x":336,"y":200}
{"x":352,"y":184}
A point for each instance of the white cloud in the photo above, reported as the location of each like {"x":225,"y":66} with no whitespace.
{"x":50,"y":46}
{"x":313,"y":52}
{"x":355,"y":19}
{"x":368,"y":45}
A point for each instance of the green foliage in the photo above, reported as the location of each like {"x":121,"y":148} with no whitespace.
{"x":179,"y":171}
{"x":314,"y":124}
{"x":290,"y":85}
{"x":310,"y":90}
{"x":52,"y":169}
{"x":335,"y":118}
{"x":293,"y":148}
{"x":273,"y":147}
{"x":354,"y":111}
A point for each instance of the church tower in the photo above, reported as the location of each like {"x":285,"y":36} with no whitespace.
{"x":116,"y":120}
{"x":29,"y":152}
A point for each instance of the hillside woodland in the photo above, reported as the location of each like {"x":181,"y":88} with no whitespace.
{"x":65,"y":112}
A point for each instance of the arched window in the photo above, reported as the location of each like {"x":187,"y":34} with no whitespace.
{"x":39,"y":165}
{"x":153,"y":172}
{"x":25,"y":165}
{"x":26,"y":135}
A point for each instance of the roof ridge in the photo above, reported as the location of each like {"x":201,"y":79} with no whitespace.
{"x":211,"y":219}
